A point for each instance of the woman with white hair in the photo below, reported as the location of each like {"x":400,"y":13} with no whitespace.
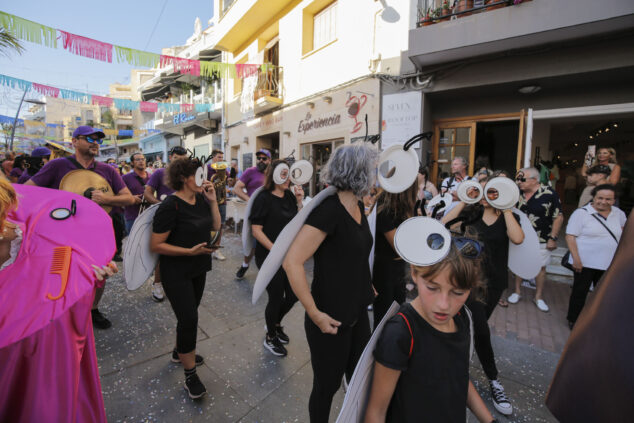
{"x":337,"y":235}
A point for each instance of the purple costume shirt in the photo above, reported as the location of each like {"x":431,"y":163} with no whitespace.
{"x":16,"y":172}
{"x":52,"y":173}
{"x":136,"y":185}
{"x":157,"y":182}
{"x":252,"y":179}
{"x":24,"y":177}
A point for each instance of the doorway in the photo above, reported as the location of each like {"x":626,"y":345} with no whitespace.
{"x":271,"y":142}
{"x":318,"y":154}
{"x":496,"y":145}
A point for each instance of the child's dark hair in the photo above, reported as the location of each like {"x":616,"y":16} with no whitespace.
{"x":464,"y":272}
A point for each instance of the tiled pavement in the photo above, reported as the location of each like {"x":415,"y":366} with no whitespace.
{"x":248,"y":384}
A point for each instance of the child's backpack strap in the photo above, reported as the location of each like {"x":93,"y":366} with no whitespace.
{"x":468,"y":312}
{"x":411,"y":345}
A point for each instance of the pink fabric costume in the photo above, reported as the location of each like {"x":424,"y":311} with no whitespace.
{"x":48,"y":364}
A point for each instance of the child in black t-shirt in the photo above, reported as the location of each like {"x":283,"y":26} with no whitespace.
{"x":422,"y":356}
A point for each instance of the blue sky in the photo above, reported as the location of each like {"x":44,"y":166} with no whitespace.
{"x":125,"y":23}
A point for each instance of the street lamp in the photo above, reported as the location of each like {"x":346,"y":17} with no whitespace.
{"x":15,"y":121}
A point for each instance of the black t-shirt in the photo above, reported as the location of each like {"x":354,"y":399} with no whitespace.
{"x":189,"y":225}
{"x":385,"y":222}
{"x":389,"y":268}
{"x":273,"y":213}
{"x":496,"y":251}
{"x":434,"y":380}
{"x":342,"y":283}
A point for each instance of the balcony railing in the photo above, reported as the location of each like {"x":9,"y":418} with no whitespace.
{"x":269,"y":82}
{"x":434,"y":11}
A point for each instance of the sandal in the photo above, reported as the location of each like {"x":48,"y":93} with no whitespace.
{"x":503,"y":303}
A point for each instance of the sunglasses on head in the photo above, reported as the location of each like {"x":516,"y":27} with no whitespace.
{"x":93,"y":140}
{"x":469,"y":248}
{"x":178,"y":150}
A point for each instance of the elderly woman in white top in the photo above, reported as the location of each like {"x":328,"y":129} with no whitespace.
{"x":592,"y":235}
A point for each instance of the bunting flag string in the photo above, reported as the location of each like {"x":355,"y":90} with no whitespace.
{"x":119,"y":104}
{"x":87,"y":47}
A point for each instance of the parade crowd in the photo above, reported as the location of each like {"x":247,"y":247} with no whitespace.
{"x":421,"y":370}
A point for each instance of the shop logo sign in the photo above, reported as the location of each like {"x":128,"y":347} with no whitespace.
{"x":182,"y":118}
{"x":309,"y":123}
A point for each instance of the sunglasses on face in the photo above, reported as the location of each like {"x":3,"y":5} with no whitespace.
{"x":469,"y":248}
{"x":262,"y":158}
{"x":93,"y":140}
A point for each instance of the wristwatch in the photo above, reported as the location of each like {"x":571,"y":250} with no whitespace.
{"x":554,"y":238}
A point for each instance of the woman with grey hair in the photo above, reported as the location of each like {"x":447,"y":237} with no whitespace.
{"x":337,"y":235}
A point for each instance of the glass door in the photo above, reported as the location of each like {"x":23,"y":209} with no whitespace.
{"x":451,"y":140}
{"x":318,"y":154}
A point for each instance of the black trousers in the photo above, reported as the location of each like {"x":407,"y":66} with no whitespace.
{"x":281,"y":300}
{"x":481,"y":333}
{"x":331,"y":356}
{"x":118,"y":225}
{"x":184,"y":296}
{"x":389,"y":282}
{"x":580,"y":287}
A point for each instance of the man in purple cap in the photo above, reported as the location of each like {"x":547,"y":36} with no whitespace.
{"x":251,"y":179}
{"x":156,"y":189}
{"x":86,"y":141}
{"x":38,"y":158}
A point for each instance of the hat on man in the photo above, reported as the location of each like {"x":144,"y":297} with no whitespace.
{"x":41,"y":152}
{"x":599,"y":169}
{"x":87,"y":131}
{"x":264,"y":151}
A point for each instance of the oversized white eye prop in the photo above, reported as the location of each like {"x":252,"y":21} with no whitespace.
{"x":200,"y":176}
{"x":277,"y":174}
{"x":397,"y":168}
{"x":469,"y":192}
{"x":422,"y":241}
{"x":447,"y":198}
{"x":205,"y":173}
{"x":502,"y":193}
{"x":301,"y":172}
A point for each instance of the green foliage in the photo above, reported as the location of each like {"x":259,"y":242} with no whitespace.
{"x":9,"y":43}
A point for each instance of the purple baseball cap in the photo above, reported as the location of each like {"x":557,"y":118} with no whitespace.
{"x":41,"y":152}
{"x":264,"y":151}
{"x":86,"y":130}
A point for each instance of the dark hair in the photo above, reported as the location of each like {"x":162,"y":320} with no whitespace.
{"x":177,"y":150}
{"x":19,"y":161}
{"x":464,"y":273}
{"x":216,"y":152}
{"x":423,"y":171}
{"x":602,"y":187}
{"x":179,"y":170}
{"x":599,"y":169}
{"x":134,"y":154}
{"x":269,"y":184}
{"x":398,"y":206}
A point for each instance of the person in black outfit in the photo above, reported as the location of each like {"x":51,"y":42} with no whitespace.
{"x":272,"y":209}
{"x":337,"y":234}
{"x":388,"y":276}
{"x":495,"y":228}
{"x":181,"y":235}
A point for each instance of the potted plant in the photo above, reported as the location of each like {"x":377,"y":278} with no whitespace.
{"x":427,"y":19}
{"x":496,"y":6}
{"x":446,"y":10}
{"x":462,"y":5}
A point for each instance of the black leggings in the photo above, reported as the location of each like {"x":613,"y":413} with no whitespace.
{"x":331,"y":356}
{"x":184,"y":296}
{"x":481,"y":332}
{"x":389,"y":282}
{"x":580,"y":287}
{"x":281,"y":300}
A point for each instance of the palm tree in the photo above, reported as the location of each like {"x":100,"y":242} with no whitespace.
{"x":9,"y":43}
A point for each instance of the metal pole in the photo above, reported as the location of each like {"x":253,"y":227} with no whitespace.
{"x":15,"y":121}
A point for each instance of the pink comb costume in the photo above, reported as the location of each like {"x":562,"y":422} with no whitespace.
{"x":48,"y":364}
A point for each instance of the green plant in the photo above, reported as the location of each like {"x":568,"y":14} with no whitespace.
{"x":8,"y":43}
{"x":445,"y":5}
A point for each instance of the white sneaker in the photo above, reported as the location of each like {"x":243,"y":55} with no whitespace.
{"x":157,"y":292}
{"x":514,"y":298}
{"x":541,"y":305}
{"x":218,"y":256}
{"x":500,"y":401}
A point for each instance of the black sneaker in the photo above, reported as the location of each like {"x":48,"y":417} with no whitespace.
{"x":176,"y":359}
{"x":241,"y":271}
{"x":117,"y":257}
{"x":275,"y":346}
{"x":99,"y":320}
{"x":194,"y":386}
{"x":500,"y":401}
{"x":281,"y":335}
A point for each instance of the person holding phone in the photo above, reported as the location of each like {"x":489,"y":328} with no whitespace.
{"x":181,"y":232}
{"x":605,"y":156}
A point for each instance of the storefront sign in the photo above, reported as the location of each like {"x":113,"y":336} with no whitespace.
{"x":309,"y":123}
{"x":182,"y":118}
{"x":401,"y":117}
